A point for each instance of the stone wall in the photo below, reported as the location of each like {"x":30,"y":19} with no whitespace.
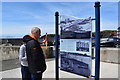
{"x":12,"y":52}
{"x":111,"y":55}
{"x":9,"y":52}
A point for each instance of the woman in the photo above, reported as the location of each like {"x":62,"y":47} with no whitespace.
{"x":24,"y":64}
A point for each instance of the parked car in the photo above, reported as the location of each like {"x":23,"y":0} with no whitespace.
{"x":110,"y":42}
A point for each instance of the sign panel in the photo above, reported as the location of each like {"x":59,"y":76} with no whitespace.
{"x":75,"y":45}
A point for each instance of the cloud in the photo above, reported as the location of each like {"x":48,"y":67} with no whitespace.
{"x":19,"y":19}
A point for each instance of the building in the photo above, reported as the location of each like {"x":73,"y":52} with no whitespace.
{"x":118,"y":32}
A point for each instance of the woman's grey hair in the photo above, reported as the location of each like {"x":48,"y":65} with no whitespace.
{"x":35,"y":29}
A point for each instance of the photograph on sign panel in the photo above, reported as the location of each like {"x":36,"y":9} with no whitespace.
{"x":75,"y":29}
{"x":82,"y":46}
{"x":76,"y":63}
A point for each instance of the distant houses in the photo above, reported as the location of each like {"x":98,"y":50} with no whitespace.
{"x":118,"y":32}
{"x":51,"y":38}
{"x":106,"y":33}
{"x":19,"y":41}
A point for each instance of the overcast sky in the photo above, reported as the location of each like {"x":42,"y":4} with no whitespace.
{"x":19,"y":17}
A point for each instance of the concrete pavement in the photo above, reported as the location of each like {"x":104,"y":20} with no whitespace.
{"x":108,"y":70}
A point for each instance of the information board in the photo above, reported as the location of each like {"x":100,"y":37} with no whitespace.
{"x":75,"y":45}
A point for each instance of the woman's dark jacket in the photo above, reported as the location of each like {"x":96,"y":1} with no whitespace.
{"x":35,"y":56}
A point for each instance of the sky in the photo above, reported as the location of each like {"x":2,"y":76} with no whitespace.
{"x":19,"y":17}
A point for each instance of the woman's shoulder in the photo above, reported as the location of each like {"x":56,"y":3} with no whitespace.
{"x":22,"y":46}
